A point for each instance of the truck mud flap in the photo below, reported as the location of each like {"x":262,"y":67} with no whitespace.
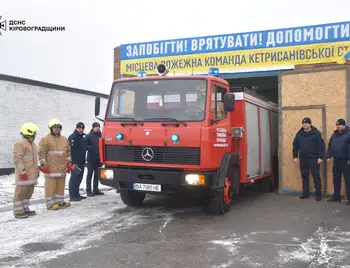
{"x":228,"y":168}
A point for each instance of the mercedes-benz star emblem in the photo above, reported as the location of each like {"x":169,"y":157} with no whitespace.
{"x":147,"y":154}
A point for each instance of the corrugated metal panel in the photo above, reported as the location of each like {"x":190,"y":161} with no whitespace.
{"x":252,"y":140}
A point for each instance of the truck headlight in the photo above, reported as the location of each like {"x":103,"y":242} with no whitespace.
{"x":107,"y":174}
{"x":194,"y":179}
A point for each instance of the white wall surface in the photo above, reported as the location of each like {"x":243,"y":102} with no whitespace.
{"x":21,"y":103}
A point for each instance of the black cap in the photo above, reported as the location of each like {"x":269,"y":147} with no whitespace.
{"x":80,"y":125}
{"x":96,"y":124}
{"x":307,"y":120}
{"x":341,"y":122}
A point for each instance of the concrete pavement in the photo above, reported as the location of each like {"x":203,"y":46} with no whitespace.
{"x":261,"y":230}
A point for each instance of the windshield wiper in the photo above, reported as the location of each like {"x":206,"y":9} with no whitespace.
{"x":130,"y":119}
{"x":165,"y":119}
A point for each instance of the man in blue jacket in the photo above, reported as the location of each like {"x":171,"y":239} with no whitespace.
{"x":309,"y":144}
{"x":77,"y":144}
{"x":339,"y":149}
{"x":93,"y":159}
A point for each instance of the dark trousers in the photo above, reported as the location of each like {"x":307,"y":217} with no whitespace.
{"x":92,"y":170}
{"x":341,"y":167}
{"x":306,"y":165}
{"x":75,"y":180}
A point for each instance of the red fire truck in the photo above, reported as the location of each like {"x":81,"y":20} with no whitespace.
{"x":185,"y":134}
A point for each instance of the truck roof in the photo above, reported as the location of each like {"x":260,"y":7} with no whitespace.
{"x":214,"y":78}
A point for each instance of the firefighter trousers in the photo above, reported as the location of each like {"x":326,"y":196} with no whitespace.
{"x":21,"y":198}
{"x":54,"y":191}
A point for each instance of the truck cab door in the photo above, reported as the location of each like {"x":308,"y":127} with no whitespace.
{"x":221,"y":138}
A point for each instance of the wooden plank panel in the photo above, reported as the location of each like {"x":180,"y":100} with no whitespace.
{"x":291,"y":123}
{"x":314,"y":88}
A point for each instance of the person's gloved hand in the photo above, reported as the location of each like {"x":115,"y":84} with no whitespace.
{"x":23,"y":176}
{"x":45,"y":170}
{"x":69,"y":168}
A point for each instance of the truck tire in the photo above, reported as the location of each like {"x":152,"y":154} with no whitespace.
{"x":220,"y":201}
{"x":132,"y":198}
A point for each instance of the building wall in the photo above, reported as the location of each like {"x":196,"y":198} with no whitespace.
{"x":27,"y":100}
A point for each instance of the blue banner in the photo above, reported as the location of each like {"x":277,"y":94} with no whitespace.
{"x":324,"y":33}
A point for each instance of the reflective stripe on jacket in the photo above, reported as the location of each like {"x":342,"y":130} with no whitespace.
{"x":25,"y":159}
{"x":54,"y":152}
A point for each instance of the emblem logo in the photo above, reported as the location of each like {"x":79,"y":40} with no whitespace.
{"x":147,"y":154}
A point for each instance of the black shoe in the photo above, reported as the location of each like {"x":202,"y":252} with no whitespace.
{"x":30,"y":212}
{"x":333,"y":200}
{"x":81,"y":197}
{"x":89,"y":193}
{"x":304,"y":197}
{"x":318,"y":198}
{"x":21,"y":216}
{"x":98,"y":192}
{"x":75,"y":199}
{"x":348,"y":203}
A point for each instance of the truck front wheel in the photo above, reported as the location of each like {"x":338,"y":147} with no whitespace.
{"x":132,"y":198}
{"x":220,"y":201}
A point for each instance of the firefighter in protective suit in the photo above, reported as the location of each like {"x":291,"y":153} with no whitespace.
{"x":55,"y":162}
{"x":25,"y":159}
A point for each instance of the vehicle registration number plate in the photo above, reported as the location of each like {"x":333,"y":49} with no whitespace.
{"x":147,"y":187}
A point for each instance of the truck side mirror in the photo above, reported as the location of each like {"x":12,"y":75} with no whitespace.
{"x":229,"y":102}
{"x":97,"y":106}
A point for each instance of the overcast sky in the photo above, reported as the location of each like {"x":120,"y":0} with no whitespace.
{"x":82,"y":56}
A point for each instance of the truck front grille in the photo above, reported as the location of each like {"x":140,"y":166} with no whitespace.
{"x":162,"y":155}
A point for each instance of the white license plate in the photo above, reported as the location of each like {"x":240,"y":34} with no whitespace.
{"x":147,"y":187}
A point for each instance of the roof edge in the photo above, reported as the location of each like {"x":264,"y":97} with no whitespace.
{"x":27,"y":81}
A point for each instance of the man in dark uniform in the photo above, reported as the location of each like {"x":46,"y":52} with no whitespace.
{"x":339,"y":149}
{"x":309,"y":144}
{"x":93,"y":159}
{"x":77,"y":144}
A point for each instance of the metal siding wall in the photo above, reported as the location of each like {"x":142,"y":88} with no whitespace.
{"x":265,"y":141}
{"x":20,"y":103}
{"x":252,"y":140}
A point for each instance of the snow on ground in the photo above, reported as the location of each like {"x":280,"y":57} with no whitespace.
{"x":50,"y":234}
{"x":7,"y":188}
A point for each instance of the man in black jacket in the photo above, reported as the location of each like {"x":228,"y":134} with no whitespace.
{"x":339,"y":149}
{"x":93,"y":159}
{"x":77,"y":144}
{"x":309,"y":144}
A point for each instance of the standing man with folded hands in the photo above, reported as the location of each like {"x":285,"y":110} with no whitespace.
{"x":55,"y":161}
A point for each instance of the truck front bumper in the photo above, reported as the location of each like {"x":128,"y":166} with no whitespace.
{"x":165,"y":180}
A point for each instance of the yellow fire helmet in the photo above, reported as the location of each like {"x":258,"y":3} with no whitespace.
{"x":55,"y":122}
{"x":29,"y":129}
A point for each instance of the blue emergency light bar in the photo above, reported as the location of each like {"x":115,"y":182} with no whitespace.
{"x":141,"y":74}
{"x":213,"y":71}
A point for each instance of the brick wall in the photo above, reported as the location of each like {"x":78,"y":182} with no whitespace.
{"x":26,"y":100}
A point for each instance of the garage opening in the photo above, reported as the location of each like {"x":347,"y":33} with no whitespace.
{"x":266,"y":88}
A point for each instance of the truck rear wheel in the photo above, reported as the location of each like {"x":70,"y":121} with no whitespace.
{"x":132,"y":198}
{"x":220,"y":201}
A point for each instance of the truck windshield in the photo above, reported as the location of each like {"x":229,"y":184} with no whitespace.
{"x":157,"y":99}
